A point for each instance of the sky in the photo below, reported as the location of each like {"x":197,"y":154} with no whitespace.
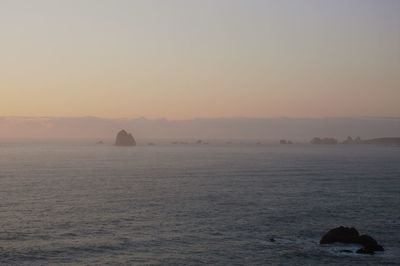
{"x":182,"y":59}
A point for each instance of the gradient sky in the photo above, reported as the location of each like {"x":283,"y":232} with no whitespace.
{"x":207,"y":58}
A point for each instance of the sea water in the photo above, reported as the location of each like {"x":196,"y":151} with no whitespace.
{"x":78,"y":203}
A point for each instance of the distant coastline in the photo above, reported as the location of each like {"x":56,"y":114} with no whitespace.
{"x":297,"y":130}
{"x":356,"y":141}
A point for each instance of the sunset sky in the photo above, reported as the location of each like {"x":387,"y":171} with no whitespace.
{"x":181,"y":59}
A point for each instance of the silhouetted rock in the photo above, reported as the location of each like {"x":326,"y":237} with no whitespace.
{"x":351,"y":236}
{"x":324,"y":141}
{"x":283,"y":141}
{"x":289,"y":142}
{"x":369,"y":243}
{"x":100,"y":142}
{"x":340,"y":234}
{"x":124,"y":139}
{"x":272,"y":240}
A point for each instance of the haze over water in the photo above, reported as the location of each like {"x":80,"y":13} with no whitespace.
{"x":88,"y":204}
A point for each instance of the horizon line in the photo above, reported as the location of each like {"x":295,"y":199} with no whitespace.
{"x":196,"y":118}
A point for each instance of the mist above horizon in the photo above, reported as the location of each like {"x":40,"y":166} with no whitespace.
{"x":185,"y":59}
{"x":222,"y":128}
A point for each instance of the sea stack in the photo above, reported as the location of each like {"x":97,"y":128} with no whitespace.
{"x":125,"y":139}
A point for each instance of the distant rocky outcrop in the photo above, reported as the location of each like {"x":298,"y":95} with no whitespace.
{"x":387,"y":141}
{"x":380,"y":141}
{"x":350,"y":140}
{"x":124,"y":139}
{"x":319,"y":141}
{"x":284,"y":141}
{"x":349,"y":235}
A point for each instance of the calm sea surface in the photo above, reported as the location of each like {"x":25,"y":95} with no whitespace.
{"x":77,"y":203}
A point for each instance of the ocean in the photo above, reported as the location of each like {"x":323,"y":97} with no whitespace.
{"x":81,"y":203}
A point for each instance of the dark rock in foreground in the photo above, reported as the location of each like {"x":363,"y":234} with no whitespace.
{"x":349,"y":235}
{"x":125,"y":139}
{"x":369,"y":243}
{"x":340,"y":235}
